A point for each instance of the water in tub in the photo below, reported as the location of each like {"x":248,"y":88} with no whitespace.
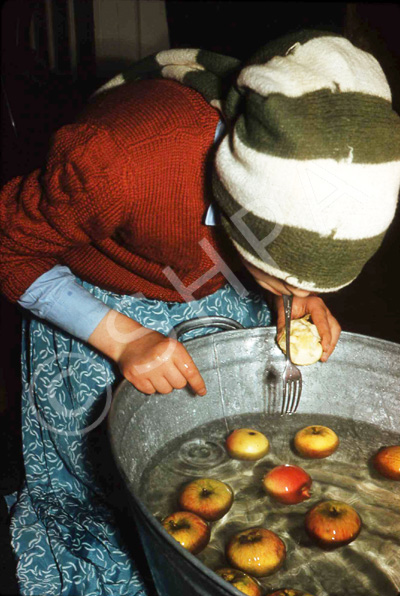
{"x":370,"y":565}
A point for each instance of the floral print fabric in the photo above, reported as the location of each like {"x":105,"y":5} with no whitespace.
{"x":64,"y":530}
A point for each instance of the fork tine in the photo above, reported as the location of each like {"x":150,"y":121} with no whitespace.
{"x":295,"y":387}
{"x":283,"y":398}
{"x":290,"y":397}
{"x":300,"y":387}
{"x":286,"y":396}
{"x":294,"y":393}
{"x":290,"y":383}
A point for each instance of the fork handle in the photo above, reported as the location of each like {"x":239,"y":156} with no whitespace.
{"x":287,"y":305}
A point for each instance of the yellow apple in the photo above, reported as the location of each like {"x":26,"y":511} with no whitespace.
{"x":192,"y":532}
{"x":332,"y":523}
{"x":387,"y":462}
{"x":247,"y":444}
{"x":240,"y":580}
{"x":207,"y":497}
{"x":305,"y":342}
{"x":257,"y":551}
{"x":316,"y":441}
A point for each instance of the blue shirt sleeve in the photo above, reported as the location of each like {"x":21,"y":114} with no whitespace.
{"x":56,"y":297}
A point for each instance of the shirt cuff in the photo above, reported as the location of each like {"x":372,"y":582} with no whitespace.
{"x":56,"y":297}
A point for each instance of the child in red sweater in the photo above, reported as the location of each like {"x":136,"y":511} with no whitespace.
{"x":120,"y":200}
{"x":114,"y":242}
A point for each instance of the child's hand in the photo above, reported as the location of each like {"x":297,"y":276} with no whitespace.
{"x":158,"y":363}
{"x":148,"y":359}
{"x":328,"y":327}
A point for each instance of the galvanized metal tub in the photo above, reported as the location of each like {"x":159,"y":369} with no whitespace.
{"x":242,"y":370}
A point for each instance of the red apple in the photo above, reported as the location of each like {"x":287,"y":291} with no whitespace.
{"x":387,"y":462}
{"x":256,"y":551}
{"x":192,"y":532}
{"x":246,"y":443}
{"x":288,"y":484}
{"x":333,"y":523}
{"x":240,"y":580}
{"x":207,"y":497}
{"x":316,"y":441}
{"x":289,"y":592}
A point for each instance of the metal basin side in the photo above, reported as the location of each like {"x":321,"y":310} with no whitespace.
{"x":242,"y":372}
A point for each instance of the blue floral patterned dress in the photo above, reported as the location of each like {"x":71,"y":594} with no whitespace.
{"x":64,"y":529}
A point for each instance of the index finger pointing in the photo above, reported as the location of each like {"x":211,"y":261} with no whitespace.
{"x":191,"y":373}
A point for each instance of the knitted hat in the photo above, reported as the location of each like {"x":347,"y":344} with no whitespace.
{"x":308,"y":176}
{"x":308,"y":173}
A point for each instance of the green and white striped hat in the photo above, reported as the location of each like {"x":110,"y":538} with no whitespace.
{"x":308,"y":176}
{"x":308,"y":172}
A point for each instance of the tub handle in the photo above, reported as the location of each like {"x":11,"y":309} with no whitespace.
{"x":221,"y":322}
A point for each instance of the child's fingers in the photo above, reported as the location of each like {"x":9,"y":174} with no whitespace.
{"x":143,"y":385}
{"x":328,"y":327}
{"x":329,"y":330}
{"x":175,"y":378}
{"x":162,"y":385}
{"x":320,"y":320}
{"x":324,"y":322}
{"x":335,"y":334}
{"x":191,"y":373}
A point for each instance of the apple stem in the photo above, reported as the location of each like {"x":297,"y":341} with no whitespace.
{"x":245,"y":539}
{"x":181,"y":525}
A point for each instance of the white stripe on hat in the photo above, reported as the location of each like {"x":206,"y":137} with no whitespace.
{"x":183,"y":57}
{"x":320,"y":63}
{"x":176,"y":73}
{"x":343,"y":199}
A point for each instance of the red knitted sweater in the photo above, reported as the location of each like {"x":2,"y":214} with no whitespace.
{"x":122,"y":197}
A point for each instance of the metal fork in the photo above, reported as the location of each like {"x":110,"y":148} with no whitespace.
{"x":292,"y":383}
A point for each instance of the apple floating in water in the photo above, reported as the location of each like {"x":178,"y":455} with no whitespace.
{"x":289,"y":592}
{"x":387,"y":462}
{"x":192,"y":532}
{"x":316,"y":441}
{"x":256,"y":551}
{"x":333,"y":523}
{"x":288,"y":484}
{"x":247,"y":444}
{"x":240,"y":580}
{"x":207,"y":497}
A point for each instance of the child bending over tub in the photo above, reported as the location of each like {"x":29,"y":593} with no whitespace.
{"x":179,"y":173}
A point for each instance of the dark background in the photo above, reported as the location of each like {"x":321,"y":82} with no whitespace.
{"x":36,"y":101}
